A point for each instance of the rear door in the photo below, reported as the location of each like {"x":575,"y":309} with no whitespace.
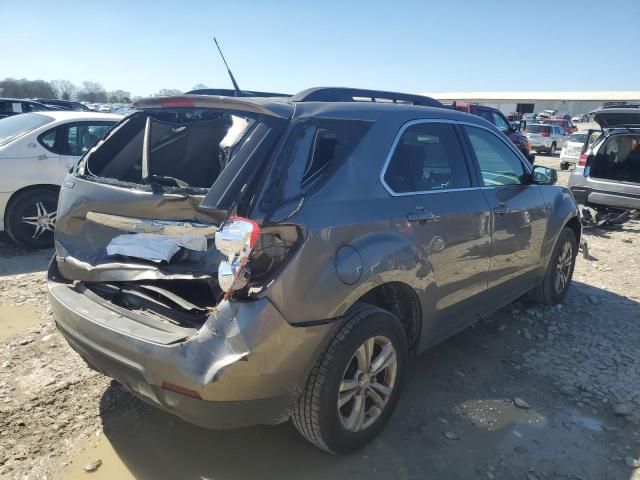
{"x":518,"y":213}
{"x":447,"y":217}
{"x":77,"y":138}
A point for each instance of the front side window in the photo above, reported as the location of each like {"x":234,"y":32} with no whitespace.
{"x":498,"y":164}
{"x":427,"y":157}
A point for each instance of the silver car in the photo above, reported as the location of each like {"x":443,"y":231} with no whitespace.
{"x":546,"y":137}
{"x":608,"y":172}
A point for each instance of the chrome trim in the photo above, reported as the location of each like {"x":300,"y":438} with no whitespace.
{"x":411,"y":123}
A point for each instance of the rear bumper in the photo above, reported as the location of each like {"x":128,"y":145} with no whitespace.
{"x":245,"y":366}
{"x":589,"y":196}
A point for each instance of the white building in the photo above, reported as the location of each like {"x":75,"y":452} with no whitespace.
{"x":572,"y":103}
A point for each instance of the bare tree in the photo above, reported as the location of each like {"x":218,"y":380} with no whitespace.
{"x":64,"y":89}
{"x":119,"y":96}
{"x":23,"y":88}
{"x":199,"y":86}
{"x":92,"y":92}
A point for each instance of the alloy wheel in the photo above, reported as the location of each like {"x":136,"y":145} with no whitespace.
{"x":563,"y":267}
{"x":367,"y":384}
{"x":43,"y":221}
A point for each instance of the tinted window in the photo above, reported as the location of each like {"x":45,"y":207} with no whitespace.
{"x":499,"y":165}
{"x":537,"y":129}
{"x":81,"y":137}
{"x":428,"y":157}
{"x":13,"y":127}
{"x":500,"y":122}
{"x":578,"y":137}
{"x":314,"y":148}
{"x":486,"y":114}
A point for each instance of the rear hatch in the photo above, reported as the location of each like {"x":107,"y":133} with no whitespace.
{"x":617,"y":117}
{"x":137,"y":217}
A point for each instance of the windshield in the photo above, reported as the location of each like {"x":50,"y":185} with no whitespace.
{"x":578,"y":137}
{"x":17,"y":125}
{"x":537,"y":129}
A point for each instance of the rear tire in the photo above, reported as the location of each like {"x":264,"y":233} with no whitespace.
{"x":553,"y":287}
{"x":564,"y":166}
{"x":30,"y":218}
{"x":326,"y":412}
{"x":552,"y":150}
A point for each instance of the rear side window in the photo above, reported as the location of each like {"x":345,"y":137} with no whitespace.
{"x":427,"y":157}
{"x":313,"y":150}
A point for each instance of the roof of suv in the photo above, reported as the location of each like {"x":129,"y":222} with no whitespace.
{"x":343,"y":102}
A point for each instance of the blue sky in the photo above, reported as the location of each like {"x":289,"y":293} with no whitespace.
{"x":415,"y":46}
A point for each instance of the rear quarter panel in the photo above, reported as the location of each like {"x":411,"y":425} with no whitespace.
{"x":562,"y":209}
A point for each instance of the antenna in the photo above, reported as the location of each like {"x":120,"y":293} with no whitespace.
{"x":233,"y":80}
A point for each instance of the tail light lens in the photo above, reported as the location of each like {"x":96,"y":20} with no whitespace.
{"x":235,"y":240}
{"x":583,"y":160}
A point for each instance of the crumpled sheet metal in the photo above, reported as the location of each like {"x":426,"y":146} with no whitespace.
{"x":277,"y":356}
{"x":156,"y":247}
{"x":142,"y":225}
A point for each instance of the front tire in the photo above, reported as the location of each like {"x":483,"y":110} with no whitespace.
{"x":31,"y":218}
{"x":557,"y":278}
{"x":354,"y":386}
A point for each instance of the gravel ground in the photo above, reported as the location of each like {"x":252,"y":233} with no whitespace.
{"x":529,"y":393}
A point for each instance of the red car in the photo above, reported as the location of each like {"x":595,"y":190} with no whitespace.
{"x":567,"y":125}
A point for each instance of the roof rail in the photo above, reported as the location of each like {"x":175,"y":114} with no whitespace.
{"x":343,"y":94}
{"x":227,"y":92}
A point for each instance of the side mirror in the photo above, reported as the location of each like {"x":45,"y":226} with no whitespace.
{"x":544,"y":175}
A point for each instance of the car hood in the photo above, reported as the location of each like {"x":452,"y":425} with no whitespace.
{"x":616,"y":117}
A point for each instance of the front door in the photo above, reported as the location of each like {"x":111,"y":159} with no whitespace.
{"x":518,"y":213}
{"x":447,"y":219}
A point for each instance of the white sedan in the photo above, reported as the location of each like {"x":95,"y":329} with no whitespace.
{"x":36,"y":152}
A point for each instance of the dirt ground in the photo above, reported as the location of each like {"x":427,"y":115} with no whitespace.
{"x":575,"y":367}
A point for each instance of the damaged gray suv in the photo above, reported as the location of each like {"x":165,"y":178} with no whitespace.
{"x":240,"y":261}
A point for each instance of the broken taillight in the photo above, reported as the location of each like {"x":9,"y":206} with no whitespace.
{"x":235,"y":240}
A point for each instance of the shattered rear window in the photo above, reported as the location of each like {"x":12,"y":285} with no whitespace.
{"x":184,"y":149}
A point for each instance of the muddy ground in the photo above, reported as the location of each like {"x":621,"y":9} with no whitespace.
{"x":576,"y":367}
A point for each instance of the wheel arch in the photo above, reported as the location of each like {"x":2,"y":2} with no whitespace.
{"x":401,"y":300}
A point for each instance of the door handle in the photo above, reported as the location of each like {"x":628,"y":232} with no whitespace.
{"x":501,"y":210}
{"x":42,"y":157}
{"x":422,"y":216}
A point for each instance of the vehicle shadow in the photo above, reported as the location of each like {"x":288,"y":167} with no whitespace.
{"x":464,"y":386}
{"x":15,"y":260}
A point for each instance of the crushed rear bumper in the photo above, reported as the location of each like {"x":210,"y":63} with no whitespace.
{"x":246,"y":365}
